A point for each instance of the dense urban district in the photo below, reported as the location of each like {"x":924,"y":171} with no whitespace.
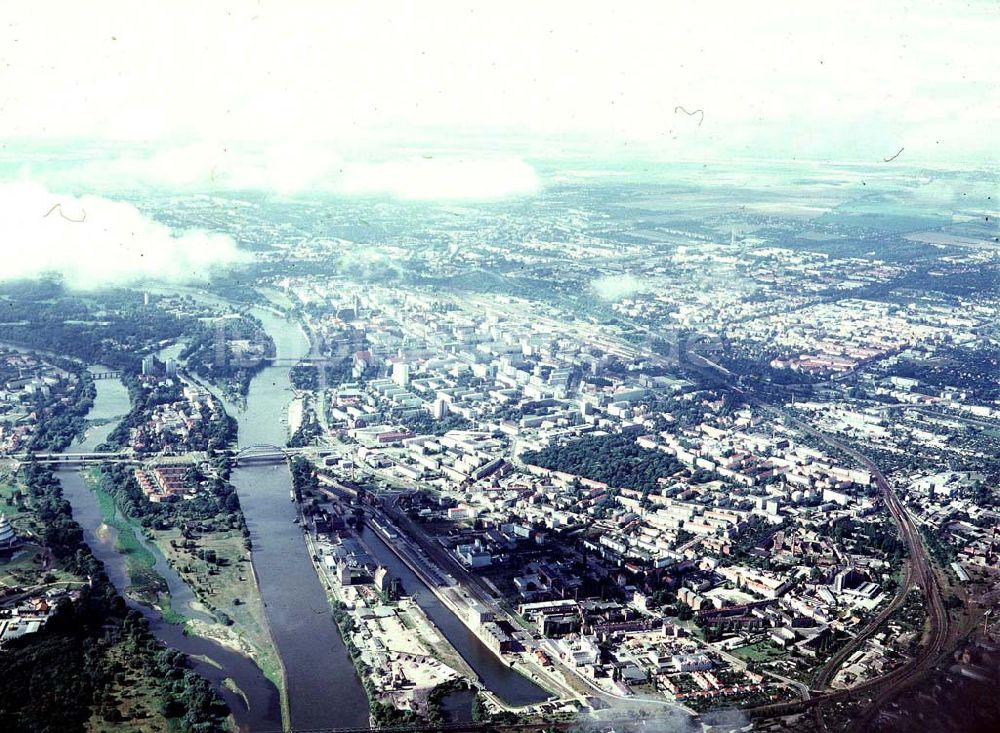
{"x":693,"y":448}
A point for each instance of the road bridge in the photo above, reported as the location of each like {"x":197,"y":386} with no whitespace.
{"x":257,"y":453}
{"x":637,"y":722}
{"x":270,"y":453}
{"x":79,"y":459}
{"x":261,"y":453}
{"x":305,"y":360}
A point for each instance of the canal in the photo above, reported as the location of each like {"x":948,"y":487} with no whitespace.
{"x":513,"y":687}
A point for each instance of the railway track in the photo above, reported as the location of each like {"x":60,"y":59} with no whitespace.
{"x":919,"y":572}
{"x":830,"y":669}
{"x":937,"y":636}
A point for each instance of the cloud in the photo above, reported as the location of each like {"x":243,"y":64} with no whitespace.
{"x":300,"y":168}
{"x":205,"y":166}
{"x":93,"y":241}
{"x":616,"y":287}
{"x":443,"y":178}
{"x":919,"y":73}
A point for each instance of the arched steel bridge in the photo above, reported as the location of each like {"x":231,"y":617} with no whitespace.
{"x":262,"y":453}
{"x":270,"y":453}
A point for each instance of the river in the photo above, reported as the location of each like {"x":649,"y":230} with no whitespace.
{"x":323,"y":688}
{"x":513,"y":687}
{"x":211,"y":660}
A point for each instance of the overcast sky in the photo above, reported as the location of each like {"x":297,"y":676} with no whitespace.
{"x":826,"y":80}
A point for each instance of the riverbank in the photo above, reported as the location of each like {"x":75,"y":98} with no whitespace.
{"x":259,"y":707}
{"x":398,"y":636}
{"x":404,"y":680}
{"x":407,"y":666}
{"x":310,"y":650}
{"x":145,"y":585}
{"x":218,"y":569}
{"x":430,"y":635}
{"x":215,"y":566}
{"x":453,"y":598}
{"x":100,"y":668}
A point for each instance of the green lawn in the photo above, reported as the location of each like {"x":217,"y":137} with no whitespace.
{"x":144,"y":582}
{"x":227,"y":588}
{"x":762,"y":651}
{"x":9,"y":488}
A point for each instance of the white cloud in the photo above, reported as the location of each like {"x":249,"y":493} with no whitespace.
{"x":93,"y":241}
{"x":437,"y":178}
{"x":842,"y":79}
{"x":289,"y":169}
{"x":204,"y":166}
{"x":616,"y":287}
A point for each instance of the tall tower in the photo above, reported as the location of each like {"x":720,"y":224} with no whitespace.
{"x":401,"y":373}
{"x":220,"y":344}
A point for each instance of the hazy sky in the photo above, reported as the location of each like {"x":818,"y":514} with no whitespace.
{"x":823,"y":80}
{"x":439,"y":100}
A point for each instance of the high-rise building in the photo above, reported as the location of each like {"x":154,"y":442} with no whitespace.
{"x":387,"y":583}
{"x":170,"y":367}
{"x":401,"y":374}
{"x":148,"y":365}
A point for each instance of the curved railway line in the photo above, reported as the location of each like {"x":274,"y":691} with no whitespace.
{"x":919,"y":573}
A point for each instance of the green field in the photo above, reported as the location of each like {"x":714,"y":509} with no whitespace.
{"x":217,"y":567}
{"x":145,"y":584}
{"x":11,"y":498}
{"x":762,"y":651}
{"x":27,"y":567}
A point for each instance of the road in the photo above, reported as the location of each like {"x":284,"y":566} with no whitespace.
{"x":920,"y":573}
{"x":438,"y":561}
{"x":742,"y":664}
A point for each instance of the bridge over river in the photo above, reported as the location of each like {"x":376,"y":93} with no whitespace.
{"x":615,"y":722}
{"x":256,"y":453}
{"x":80,"y":459}
{"x":269,"y":453}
